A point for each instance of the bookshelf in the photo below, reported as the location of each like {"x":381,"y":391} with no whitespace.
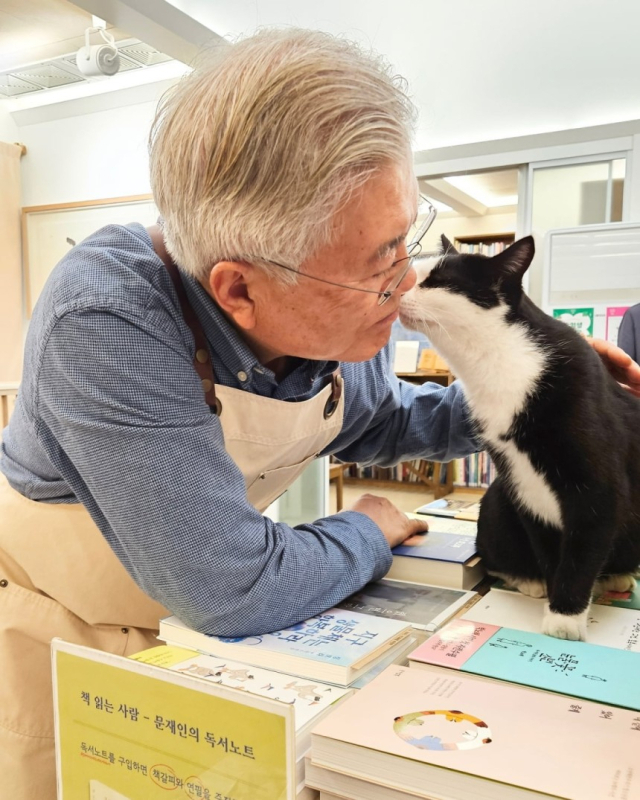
{"x":488,"y":244}
{"x":418,"y":475}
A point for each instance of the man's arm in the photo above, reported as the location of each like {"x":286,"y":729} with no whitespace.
{"x":128,"y":429}
{"x":388,"y":420}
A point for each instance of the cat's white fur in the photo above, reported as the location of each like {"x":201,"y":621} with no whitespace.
{"x":501,"y":368}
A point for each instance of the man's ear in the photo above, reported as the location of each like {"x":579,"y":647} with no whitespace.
{"x":230,"y":286}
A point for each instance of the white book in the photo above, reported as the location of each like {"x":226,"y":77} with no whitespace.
{"x":606,"y":625}
{"x":337,"y":646}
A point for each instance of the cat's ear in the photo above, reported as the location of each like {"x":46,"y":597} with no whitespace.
{"x":446,"y":246}
{"x":516,"y":259}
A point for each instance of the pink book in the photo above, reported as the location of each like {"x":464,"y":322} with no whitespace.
{"x":423,"y":732}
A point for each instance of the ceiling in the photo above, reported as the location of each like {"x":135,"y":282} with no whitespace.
{"x":37,"y":30}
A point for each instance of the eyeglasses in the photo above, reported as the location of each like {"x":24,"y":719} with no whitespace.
{"x":414,"y":248}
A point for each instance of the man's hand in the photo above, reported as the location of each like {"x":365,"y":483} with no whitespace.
{"x":619,"y":364}
{"x":395,"y":525}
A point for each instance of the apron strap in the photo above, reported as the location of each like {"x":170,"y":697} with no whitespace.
{"x":336,"y":392}
{"x":202,"y":359}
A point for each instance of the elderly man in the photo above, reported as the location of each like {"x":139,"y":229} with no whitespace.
{"x":177,"y":380}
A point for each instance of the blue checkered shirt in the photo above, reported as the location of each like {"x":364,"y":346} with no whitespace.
{"x":111,"y":413}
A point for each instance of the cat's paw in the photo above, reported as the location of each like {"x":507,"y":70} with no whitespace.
{"x":531,"y":588}
{"x":565,"y":626}
{"x":625,"y":582}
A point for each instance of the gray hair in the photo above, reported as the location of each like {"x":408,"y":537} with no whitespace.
{"x":255,"y":151}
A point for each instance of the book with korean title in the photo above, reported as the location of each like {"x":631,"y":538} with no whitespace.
{"x":425,"y":607}
{"x":338,"y":646}
{"x":577,"y":669}
{"x":606,"y":624}
{"x":448,"y":736}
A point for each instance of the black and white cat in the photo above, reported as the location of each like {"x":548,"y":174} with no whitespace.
{"x":564,"y":511}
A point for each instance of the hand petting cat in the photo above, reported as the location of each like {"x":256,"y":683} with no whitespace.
{"x":619,"y":364}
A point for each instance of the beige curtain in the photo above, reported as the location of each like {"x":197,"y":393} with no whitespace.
{"x":10,"y":266}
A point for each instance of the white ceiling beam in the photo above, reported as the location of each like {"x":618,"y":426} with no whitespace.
{"x":157,"y":23}
{"x":439,"y":189}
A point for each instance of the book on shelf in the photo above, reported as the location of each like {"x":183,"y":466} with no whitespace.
{"x":337,"y":646}
{"x":629,"y":599}
{"x":577,"y":669}
{"x":311,"y":700}
{"x":451,"y":507}
{"x":454,"y":737}
{"x":606,"y":625}
{"x":444,"y":559}
{"x":475,"y":471}
{"x":426,"y":608}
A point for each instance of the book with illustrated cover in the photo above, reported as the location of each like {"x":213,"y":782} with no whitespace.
{"x":452,"y":507}
{"x":445,"y":559}
{"x":578,"y":669}
{"x":337,"y":646}
{"x":606,"y":625}
{"x":447,"y":735}
{"x":310,"y":700}
{"x":424,"y":607}
{"x":629,"y":599}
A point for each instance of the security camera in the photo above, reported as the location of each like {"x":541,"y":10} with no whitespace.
{"x":94,"y":60}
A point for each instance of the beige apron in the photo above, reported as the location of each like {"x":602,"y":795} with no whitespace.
{"x":59,"y":577}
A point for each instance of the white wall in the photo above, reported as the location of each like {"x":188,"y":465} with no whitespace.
{"x":87,"y":156}
{"x":9,"y":131}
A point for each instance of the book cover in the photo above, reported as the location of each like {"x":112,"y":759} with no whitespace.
{"x":335,"y":643}
{"x":579,"y":669}
{"x":308,"y":699}
{"x":606,"y":625}
{"x":422,"y":606}
{"x":451,"y":507}
{"x":418,"y":731}
{"x":438,"y":546}
{"x":629,"y":600}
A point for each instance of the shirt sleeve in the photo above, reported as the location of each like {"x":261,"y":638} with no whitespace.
{"x":121,"y":415}
{"x":388,"y":420}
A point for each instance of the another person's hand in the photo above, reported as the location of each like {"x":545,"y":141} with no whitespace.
{"x":619,"y":364}
{"x":395,"y":525}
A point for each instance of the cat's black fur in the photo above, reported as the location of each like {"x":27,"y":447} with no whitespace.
{"x":580,"y":430}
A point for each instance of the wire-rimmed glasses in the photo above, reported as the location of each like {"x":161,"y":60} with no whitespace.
{"x":414,"y":248}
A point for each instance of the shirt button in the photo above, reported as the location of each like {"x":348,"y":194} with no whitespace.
{"x":202,"y":356}
{"x":242,"y":376}
{"x":207,"y":385}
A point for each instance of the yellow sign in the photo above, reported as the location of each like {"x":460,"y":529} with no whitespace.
{"x":126,"y":730}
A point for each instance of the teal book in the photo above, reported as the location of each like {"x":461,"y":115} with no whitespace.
{"x":577,"y":669}
{"x":337,"y":646}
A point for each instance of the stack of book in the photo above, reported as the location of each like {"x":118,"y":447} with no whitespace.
{"x":489,"y":700}
{"x":445,"y":555}
{"x":412,"y":733}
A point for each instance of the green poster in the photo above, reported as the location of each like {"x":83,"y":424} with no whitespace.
{"x":581,"y":319}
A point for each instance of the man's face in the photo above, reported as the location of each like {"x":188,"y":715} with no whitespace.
{"x":317,"y":321}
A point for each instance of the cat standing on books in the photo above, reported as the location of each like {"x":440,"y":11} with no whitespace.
{"x":564,"y":512}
